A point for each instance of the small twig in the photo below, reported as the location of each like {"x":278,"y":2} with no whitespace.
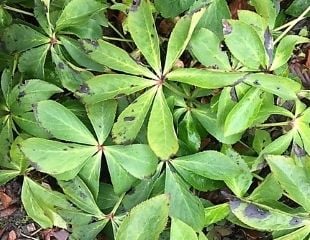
{"x":35,"y":232}
{"x":279,"y":124}
{"x":287,"y":25}
{"x":29,"y":237}
{"x":18,"y":10}
{"x":119,"y":33}
{"x":117,"y":39}
{"x":292,"y":25}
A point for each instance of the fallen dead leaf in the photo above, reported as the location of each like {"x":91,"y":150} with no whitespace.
{"x":8,"y":211}
{"x":12,"y":235}
{"x":61,"y":235}
{"x":5,"y":200}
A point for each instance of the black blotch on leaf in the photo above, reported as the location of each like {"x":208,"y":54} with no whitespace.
{"x":120,"y":95}
{"x":129,"y":119}
{"x":135,"y":5}
{"x":61,"y":65}
{"x":21,"y":94}
{"x":299,"y":151}
{"x":84,"y":88}
{"x":295,"y":221}
{"x":233,"y":94}
{"x":235,"y":203}
{"x":252,"y":211}
{"x":227,"y":28}
{"x":256,"y":82}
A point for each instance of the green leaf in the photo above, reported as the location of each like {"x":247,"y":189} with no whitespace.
{"x":42,"y":14}
{"x":216,"y":12}
{"x":78,"y":193}
{"x":188,"y":134}
{"x":143,"y":31}
{"x":25,"y":95}
{"x":173,"y":9}
{"x":183,"y":204}
{"x":216,"y":213}
{"x":75,"y":49}
{"x":32,"y":61}
{"x":292,"y":178}
{"x":298,"y":7}
{"x":181,"y":231}
{"x":245,"y":44}
{"x":209,"y":164}
{"x":18,"y":38}
{"x":17,"y":157}
{"x":239,"y":184}
{"x":160,"y":133}
{"x":268,"y":9}
{"x":130,"y":121}
{"x":282,"y":86}
{"x":285,"y":49}
{"x":264,"y":218}
{"x":109,"y":86}
{"x":107,"y":198}
{"x":7,"y":175}
{"x":6,"y":139}
{"x":90,"y":29}
{"x":56,"y":158}
{"x":121,"y":180}
{"x":299,"y":234}
{"x":88,"y":231}
{"x":136,"y":159}
{"x":28,"y":123}
{"x":205,"y":46}
{"x":145,"y":221}
{"x":261,"y":140}
{"x":204,"y":78}
{"x":268,"y":190}
{"x":62,"y":123}
{"x":77,"y":12}
{"x":243,"y":114}
{"x":90,"y":173}
{"x":36,"y":201}
{"x":100,"y":51}
{"x":180,"y":38}
{"x":102,"y":117}
{"x":5,"y":18}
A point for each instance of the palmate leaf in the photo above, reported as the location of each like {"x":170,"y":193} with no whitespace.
{"x":172,"y":9}
{"x":131,"y":119}
{"x":265,"y":218}
{"x":180,"y":37}
{"x":110,"y":86}
{"x":145,"y":221}
{"x":120,"y":60}
{"x":267,"y":9}
{"x":56,"y":158}
{"x":61,"y":123}
{"x":160,"y":133}
{"x":142,"y":29}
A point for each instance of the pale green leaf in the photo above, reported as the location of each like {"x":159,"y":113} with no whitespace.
{"x":183,"y":204}
{"x":173,"y":8}
{"x":61,"y":123}
{"x":206,"y":47}
{"x":131,"y":119}
{"x":267,"y":9}
{"x":136,"y":159}
{"x":285,"y":49}
{"x":161,"y":134}
{"x":55,"y":157}
{"x":100,"y":51}
{"x":146,"y":221}
{"x":243,"y":114}
{"x":102,"y":115}
{"x":180,"y":38}
{"x":110,"y":86}
{"x":245,"y":44}
{"x":143,"y":31}
{"x":181,"y":231}
{"x":204,"y":78}
{"x":299,"y":234}
{"x":7,"y":175}
{"x":216,"y":213}
{"x":77,"y":12}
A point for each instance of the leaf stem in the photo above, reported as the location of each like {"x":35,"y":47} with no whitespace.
{"x":118,"y":33}
{"x":117,"y":204}
{"x":293,"y":23}
{"x":18,"y":10}
{"x":279,"y":124}
{"x":117,"y":39}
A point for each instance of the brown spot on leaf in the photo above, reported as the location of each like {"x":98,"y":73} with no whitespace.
{"x":129,"y":119}
{"x":84,"y":88}
{"x":135,"y":5}
{"x":295,"y":221}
